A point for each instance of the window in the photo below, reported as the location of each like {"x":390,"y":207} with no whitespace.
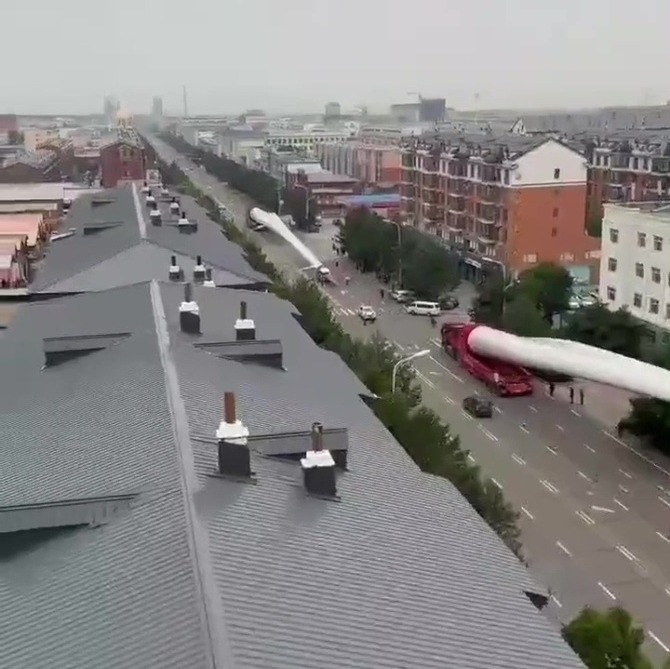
{"x":611,"y":264}
{"x":611,"y":294}
{"x":639,"y":270}
{"x":555,"y":212}
{"x":641,"y":239}
{"x":656,"y":275}
{"x":658,"y":243}
{"x":614,"y":235}
{"x":653,"y":306}
{"x":554,"y":232}
{"x":637,"y":300}
{"x":667,"y":310}
{"x":557,"y":173}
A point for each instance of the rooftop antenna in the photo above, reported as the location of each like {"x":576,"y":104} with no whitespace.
{"x":185,"y":100}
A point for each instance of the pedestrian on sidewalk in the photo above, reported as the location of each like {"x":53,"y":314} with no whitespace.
{"x":381,"y":293}
{"x":347,"y":279}
{"x":337,"y":263}
{"x":581,"y":396}
{"x":552,"y":387}
{"x":572,"y":395}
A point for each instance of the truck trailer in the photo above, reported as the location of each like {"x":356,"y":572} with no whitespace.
{"x":502,"y":378}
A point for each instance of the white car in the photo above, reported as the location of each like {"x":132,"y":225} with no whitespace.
{"x":367,"y":314}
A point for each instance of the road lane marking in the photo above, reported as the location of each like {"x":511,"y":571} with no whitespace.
{"x":523,"y":428}
{"x":466,"y":415}
{"x":425,"y":379}
{"x":584,"y":476}
{"x":549,"y":486}
{"x":470,"y":457}
{"x":446,"y":369}
{"x":528,"y":513}
{"x":498,"y":409}
{"x":553,"y":599}
{"x":518,"y":459}
{"x":642,"y":456}
{"x":585,"y":517}
{"x":560,"y":427}
{"x":626,"y":553}
{"x":490,"y":435}
{"x":623,"y":489}
{"x":658,"y":641}
{"x":607,"y":591}
{"x":564,"y":549}
{"x":496,"y":484}
{"x":400,"y":346}
{"x":435,"y":342}
{"x":586,"y":446}
{"x":663,"y":536}
{"x":667,"y":591}
{"x":532,"y":408}
{"x":448,"y":400}
{"x":574,"y":411}
{"x":551,"y":449}
{"x":665,"y":501}
{"x":626,"y":474}
{"x":621,"y":504}
{"x":602,"y":509}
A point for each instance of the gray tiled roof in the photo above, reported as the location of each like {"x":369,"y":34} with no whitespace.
{"x":399,"y":573}
{"x":105,"y":259}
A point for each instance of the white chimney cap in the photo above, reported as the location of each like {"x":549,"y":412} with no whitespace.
{"x":236,"y":433}
{"x":175,"y":269}
{"x":191,"y":307}
{"x":245,"y":324}
{"x":154,"y":213}
{"x":209,"y":284}
{"x":145,"y":189}
{"x":174,"y":205}
{"x":317,"y":459}
{"x":151,"y":198}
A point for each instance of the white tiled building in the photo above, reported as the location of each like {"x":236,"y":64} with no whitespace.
{"x":635,"y":262}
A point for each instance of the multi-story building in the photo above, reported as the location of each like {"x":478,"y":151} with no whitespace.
{"x":372,"y":164}
{"x":628,"y":168}
{"x":121,"y":160}
{"x":513,"y":203}
{"x":324,"y":191}
{"x":635,"y":271}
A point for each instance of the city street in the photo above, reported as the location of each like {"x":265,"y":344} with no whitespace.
{"x":594,"y":511}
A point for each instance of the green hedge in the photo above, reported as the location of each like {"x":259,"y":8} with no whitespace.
{"x":419,"y":430}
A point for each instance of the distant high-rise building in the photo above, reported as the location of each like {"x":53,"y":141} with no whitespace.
{"x":111,"y":107}
{"x":157,"y":107}
{"x":333,"y":110}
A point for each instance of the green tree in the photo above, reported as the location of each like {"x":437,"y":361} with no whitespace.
{"x":607,"y":640}
{"x":522,"y":317}
{"x":549,"y":286}
{"x":649,"y":419}
{"x":594,"y":224}
{"x":615,"y":331}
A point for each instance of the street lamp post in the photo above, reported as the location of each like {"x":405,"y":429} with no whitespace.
{"x":399,"y":229}
{"x":306,"y":199}
{"x":402,"y":361}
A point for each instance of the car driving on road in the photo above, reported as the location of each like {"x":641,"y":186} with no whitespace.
{"x":367,"y":314}
{"x":402,"y":296}
{"x":478,"y":407}
{"x":421,"y":308}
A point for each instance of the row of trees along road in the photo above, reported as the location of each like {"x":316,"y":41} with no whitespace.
{"x":602,"y":639}
{"x":261,"y":187}
{"x":538,"y":306}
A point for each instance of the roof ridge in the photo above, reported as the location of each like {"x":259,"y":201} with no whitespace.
{"x":212,"y":616}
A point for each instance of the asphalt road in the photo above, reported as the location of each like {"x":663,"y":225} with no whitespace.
{"x":594,"y":512}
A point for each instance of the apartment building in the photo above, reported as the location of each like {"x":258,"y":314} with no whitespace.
{"x":630,"y":167}
{"x":635,"y":271}
{"x":511,"y":203}
{"x":372,"y":164}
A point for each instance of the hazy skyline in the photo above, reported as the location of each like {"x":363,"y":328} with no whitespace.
{"x":298,"y":55}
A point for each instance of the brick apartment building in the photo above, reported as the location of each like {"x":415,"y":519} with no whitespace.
{"x":511,"y":203}
{"x":325,"y":191}
{"x":373,"y":165}
{"x":634,"y":167}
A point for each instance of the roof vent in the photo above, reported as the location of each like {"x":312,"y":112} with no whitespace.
{"x":189,"y":312}
{"x":245,"y":328}
{"x":95,"y":228}
{"x":155,"y":215}
{"x":164,"y":192}
{"x":199,"y":271}
{"x":151,"y":200}
{"x":232,"y":438}
{"x":174,"y":206}
{"x":58,"y":350}
{"x":145,"y":188}
{"x":318,"y":467}
{"x":185,"y":225}
{"x":176,"y":273}
{"x":208,"y":278}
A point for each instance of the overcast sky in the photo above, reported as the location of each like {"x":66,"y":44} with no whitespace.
{"x":295,"y":55}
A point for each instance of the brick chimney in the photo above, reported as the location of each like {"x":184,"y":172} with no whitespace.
{"x":245,"y":328}
{"x":174,"y":206}
{"x":232,"y":437}
{"x":318,"y":467}
{"x":199,"y":270}
{"x":155,"y":215}
{"x":175,"y":272}
{"x":145,"y":188}
{"x":189,"y":312}
{"x":209,"y":283}
{"x":151,"y":200}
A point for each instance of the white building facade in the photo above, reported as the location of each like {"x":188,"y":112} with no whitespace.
{"x":635,"y":263}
